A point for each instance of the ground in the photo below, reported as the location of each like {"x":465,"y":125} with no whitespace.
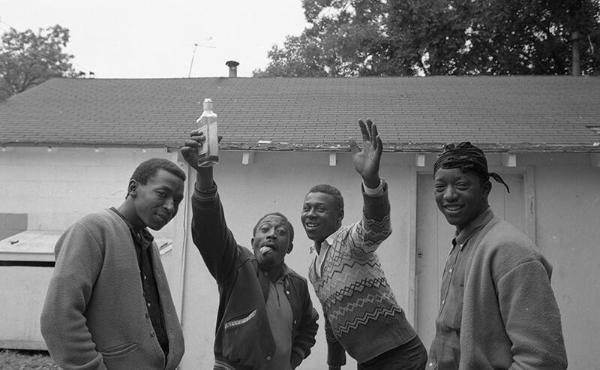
{"x":25,"y":360}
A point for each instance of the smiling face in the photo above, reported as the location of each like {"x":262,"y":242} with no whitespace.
{"x":272,"y":241}
{"x":460,"y":196}
{"x":156,"y":202}
{"x":320,"y":216}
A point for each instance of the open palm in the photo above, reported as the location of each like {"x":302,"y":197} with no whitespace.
{"x":366,"y":161}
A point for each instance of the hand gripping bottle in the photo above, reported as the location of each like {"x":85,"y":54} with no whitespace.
{"x":209,"y":152}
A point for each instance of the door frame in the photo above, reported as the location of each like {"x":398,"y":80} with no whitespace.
{"x":529,"y":212}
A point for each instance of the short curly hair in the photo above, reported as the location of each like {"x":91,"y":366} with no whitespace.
{"x":333,"y":191}
{"x":286,"y":222}
{"x":148,"y":168}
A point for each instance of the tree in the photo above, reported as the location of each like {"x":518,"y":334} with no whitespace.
{"x":494,"y":37}
{"x":344,"y":38}
{"x":299,"y":57}
{"x":28,"y":59}
{"x":446,"y":37}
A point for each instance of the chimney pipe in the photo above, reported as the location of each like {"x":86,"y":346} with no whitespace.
{"x":576,"y":54}
{"x":232,"y":64}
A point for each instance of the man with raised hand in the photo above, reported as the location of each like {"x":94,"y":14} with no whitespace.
{"x":265,"y":320}
{"x":362,"y":316}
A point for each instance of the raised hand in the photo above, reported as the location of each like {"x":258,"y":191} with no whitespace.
{"x":189,"y":151}
{"x":366,"y":161}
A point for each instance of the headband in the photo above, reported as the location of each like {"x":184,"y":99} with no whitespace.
{"x":468,"y":158}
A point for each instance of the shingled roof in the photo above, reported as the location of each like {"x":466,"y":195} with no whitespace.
{"x":412,"y":114}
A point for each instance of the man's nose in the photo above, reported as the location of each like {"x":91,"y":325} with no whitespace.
{"x":169,"y":204}
{"x":450,"y":193}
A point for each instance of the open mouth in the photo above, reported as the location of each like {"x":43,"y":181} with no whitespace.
{"x":309,"y":226}
{"x":266,"y":249}
{"x":453,"y":209}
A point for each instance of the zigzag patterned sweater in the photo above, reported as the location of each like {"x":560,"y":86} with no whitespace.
{"x":361,"y":313}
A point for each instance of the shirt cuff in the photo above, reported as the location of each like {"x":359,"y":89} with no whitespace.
{"x":207,"y":194}
{"x":374,"y":192}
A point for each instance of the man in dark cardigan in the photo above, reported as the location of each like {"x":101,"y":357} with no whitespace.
{"x":265,"y":320}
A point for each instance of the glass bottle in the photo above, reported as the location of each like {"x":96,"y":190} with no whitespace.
{"x":209,"y":151}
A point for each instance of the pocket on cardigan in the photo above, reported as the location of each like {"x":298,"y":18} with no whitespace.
{"x":241,"y":340}
{"x":239,"y":321}
{"x":119,"y":350}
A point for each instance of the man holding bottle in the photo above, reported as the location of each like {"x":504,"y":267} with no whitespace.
{"x":265,"y":318}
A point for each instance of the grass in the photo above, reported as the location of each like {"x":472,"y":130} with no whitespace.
{"x":25,"y":360}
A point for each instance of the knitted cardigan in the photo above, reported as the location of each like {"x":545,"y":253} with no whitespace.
{"x":509,"y":317}
{"x":95,"y":315}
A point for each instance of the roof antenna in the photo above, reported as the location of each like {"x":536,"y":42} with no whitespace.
{"x":192,"y":62}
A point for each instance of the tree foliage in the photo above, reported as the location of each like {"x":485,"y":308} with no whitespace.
{"x":343,"y":38}
{"x":28,"y":58}
{"x":441,"y":37}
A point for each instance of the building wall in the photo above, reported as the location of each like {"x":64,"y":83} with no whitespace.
{"x":278,"y":182}
{"x":567,"y":207}
{"x":56,"y":188}
{"x":567,"y":192}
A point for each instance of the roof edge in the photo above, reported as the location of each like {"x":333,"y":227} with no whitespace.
{"x":332,"y":147}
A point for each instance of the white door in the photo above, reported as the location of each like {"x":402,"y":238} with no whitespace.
{"x":434,"y":236}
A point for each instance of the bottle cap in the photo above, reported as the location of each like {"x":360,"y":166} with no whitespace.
{"x":208,"y":105}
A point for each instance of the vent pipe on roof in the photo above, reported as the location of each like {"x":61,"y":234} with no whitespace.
{"x":232,"y":64}
{"x":575,"y":52}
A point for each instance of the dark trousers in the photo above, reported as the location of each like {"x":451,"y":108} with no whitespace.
{"x":409,"y":356}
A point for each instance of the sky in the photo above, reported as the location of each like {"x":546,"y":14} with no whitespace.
{"x":156,"y":39}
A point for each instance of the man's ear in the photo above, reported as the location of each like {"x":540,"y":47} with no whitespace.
{"x":252,"y":241}
{"x":290,"y":247}
{"x":340,"y":217}
{"x":487,"y":188}
{"x":132,"y":188}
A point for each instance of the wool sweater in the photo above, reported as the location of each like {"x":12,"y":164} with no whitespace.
{"x":508,"y":317}
{"x":94,"y":315}
{"x":362,"y":316}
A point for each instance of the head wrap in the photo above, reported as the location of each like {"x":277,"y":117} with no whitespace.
{"x":468,"y":158}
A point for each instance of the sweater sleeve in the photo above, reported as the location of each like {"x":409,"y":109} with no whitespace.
{"x":375,"y":225}
{"x":63,"y":324}
{"x":532,"y":318}
{"x":211,"y":235}
{"x":336,"y":354}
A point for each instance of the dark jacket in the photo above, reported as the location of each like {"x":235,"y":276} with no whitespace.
{"x":243,"y":337}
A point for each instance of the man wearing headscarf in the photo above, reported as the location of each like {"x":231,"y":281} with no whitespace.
{"x":497,"y":308}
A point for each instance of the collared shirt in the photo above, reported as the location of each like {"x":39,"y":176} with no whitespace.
{"x":143,"y":244}
{"x":318,"y":261}
{"x":281,"y":319}
{"x":320,"y":257}
{"x":445,"y":350}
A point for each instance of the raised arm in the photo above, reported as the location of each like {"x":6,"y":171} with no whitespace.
{"x":366,"y":160}
{"x":209,"y":229}
{"x":375,"y":226}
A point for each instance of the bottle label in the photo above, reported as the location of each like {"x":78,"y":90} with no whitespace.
{"x":209,"y":151}
{"x":203,"y":150}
